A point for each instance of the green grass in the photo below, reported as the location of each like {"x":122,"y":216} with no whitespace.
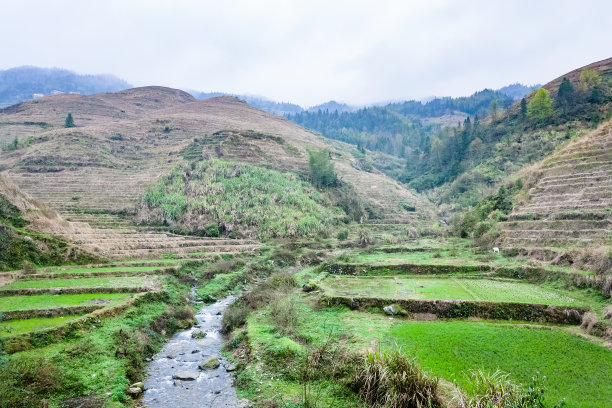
{"x":97,"y":282}
{"x":575,"y":369}
{"x":103,"y":269}
{"x":12,"y":327}
{"x":444,"y":288}
{"x":47,"y":301}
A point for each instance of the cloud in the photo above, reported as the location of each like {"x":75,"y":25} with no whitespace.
{"x":311,"y":51}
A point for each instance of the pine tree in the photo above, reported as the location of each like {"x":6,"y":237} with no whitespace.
{"x":523,"y":108}
{"x":69,"y":121}
{"x":565,"y":95}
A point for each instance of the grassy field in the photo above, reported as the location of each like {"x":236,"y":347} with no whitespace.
{"x":104,"y":269}
{"x":575,"y":369}
{"x":445,"y":288}
{"x":46,"y":301}
{"x":12,"y":327}
{"x":97,"y":282}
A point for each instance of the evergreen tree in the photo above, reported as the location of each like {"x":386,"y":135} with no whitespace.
{"x":565,"y":95}
{"x":69,"y":121}
{"x":540,"y":107}
{"x":523,"y":108}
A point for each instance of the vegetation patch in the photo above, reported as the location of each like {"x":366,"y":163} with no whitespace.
{"x":241,"y":199}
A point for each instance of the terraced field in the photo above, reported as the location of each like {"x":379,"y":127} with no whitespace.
{"x":394,"y":288}
{"x":50,"y":298}
{"x":571,"y":203}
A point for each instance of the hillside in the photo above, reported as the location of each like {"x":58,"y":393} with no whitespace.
{"x":23,"y":83}
{"x":124,"y":142}
{"x":29,"y":231}
{"x":568,"y":204}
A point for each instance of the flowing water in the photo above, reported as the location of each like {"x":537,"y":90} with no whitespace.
{"x":181,"y":356}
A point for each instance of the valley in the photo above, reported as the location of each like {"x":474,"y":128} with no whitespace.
{"x":158,"y":231}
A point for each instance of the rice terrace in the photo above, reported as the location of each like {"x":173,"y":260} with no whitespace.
{"x":165,"y":247}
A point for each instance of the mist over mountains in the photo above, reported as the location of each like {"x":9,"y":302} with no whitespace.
{"x":23,"y":83}
{"x":28,"y":82}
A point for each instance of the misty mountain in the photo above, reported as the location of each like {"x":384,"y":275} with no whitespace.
{"x":276,"y":108}
{"x":517,"y":91}
{"x":23,"y":83}
{"x":333,"y":106}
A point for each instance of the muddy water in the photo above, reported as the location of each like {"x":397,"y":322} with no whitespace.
{"x":181,"y":357}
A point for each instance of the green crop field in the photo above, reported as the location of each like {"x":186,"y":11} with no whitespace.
{"x":47,"y":301}
{"x":445,"y":288}
{"x":104,"y":269}
{"x":98,"y":282}
{"x":12,"y":327}
{"x":575,"y":369}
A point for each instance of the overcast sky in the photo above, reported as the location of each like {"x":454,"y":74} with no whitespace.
{"x":311,"y":51}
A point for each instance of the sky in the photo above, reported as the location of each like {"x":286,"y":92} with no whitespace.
{"x":308,"y":52}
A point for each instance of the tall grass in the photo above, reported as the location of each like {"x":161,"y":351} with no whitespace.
{"x":496,"y":390}
{"x":241,"y":199}
{"x":392,"y":380}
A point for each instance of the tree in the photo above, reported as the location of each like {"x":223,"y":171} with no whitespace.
{"x":523,"y":108}
{"x":565,"y":95}
{"x":69,"y":121}
{"x":588,"y":79}
{"x":494,"y":107}
{"x":540,"y":107}
{"x":322,"y":172}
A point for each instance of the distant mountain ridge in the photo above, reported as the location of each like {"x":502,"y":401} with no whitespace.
{"x":24,"y":83}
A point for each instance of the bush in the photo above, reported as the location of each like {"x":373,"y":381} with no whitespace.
{"x":322,"y":173}
{"x":284,"y":315}
{"x":496,"y":390}
{"x":365,"y":237}
{"x":392,"y":380}
{"x":342,"y":235}
{"x":212,"y":230}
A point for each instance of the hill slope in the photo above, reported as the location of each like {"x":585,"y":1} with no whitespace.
{"x":126,"y":141}
{"x":570,"y":201}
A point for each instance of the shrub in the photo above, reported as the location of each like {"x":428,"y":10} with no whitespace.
{"x":392,"y":380}
{"x":589,"y":320}
{"x":365,"y":237}
{"x":497,"y":390}
{"x":212,"y":230}
{"x":284,"y":315}
{"x":342,"y":235}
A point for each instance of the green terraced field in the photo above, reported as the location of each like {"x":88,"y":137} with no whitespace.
{"x":98,"y":282}
{"x":445,"y":288}
{"x":104,"y":269}
{"x":47,"y":301}
{"x":12,"y":327}
{"x":575,"y":369}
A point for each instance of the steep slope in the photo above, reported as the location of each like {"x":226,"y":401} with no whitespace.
{"x":31,"y":232}
{"x":126,"y":141}
{"x":570,"y":203}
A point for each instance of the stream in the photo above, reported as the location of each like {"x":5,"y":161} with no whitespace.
{"x":174,"y":378}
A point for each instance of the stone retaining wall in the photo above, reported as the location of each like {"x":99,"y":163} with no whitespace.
{"x":464,"y":309}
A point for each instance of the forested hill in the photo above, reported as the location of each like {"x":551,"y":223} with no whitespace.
{"x":23,"y":83}
{"x":399,"y":128}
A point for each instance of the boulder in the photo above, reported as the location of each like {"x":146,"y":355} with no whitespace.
{"x":198,"y":334}
{"x":210,"y":363}
{"x":134,"y":392}
{"x":186,"y":375}
{"x":307,"y":287}
{"x":394,"y":310}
